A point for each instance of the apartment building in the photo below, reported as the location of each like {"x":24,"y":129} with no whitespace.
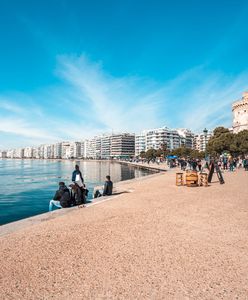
{"x":28,"y":152}
{"x":105,"y":146}
{"x":186,"y":138}
{"x":18,"y":153}
{"x":65,"y":150}
{"x":156,"y":138}
{"x":140,"y":143}
{"x":122,"y":145}
{"x":163,"y":136}
{"x":90,"y":149}
{"x":75,"y":150}
{"x":3,"y":154}
{"x":58,"y":150}
{"x":201,"y":140}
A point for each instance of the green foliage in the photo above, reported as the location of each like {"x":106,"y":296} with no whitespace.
{"x":151,"y":154}
{"x":142,"y":154}
{"x":225,"y":141}
{"x":180,"y":152}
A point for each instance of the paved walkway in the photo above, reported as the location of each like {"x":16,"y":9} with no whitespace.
{"x":157,"y":242}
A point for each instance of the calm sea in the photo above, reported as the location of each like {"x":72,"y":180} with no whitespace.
{"x":28,"y":185}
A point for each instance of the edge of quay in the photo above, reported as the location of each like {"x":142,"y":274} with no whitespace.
{"x":119,"y":188}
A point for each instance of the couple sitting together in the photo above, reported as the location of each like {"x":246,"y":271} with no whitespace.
{"x":77,"y":195}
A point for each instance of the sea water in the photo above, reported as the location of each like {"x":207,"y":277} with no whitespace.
{"x":27,"y":186}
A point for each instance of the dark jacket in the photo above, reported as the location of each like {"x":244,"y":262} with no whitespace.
{"x":108,"y":188}
{"x":63,"y":196}
{"x":75,"y":173}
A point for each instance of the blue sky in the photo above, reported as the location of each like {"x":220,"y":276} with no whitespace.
{"x":73,"y":69}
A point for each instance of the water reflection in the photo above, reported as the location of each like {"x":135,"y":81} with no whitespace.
{"x":28,"y":185}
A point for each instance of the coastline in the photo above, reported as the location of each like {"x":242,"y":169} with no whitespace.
{"x":158,"y":241}
{"x":34,"y":220}
{"x":53,"y":170}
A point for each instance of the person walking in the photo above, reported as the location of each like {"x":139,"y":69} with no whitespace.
{"x":225,"y":163}
{"x":231,"y":165}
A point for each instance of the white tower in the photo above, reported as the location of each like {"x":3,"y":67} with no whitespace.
{"x":240,"y":114}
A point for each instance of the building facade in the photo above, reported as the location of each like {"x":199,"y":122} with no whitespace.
{"x":105,"y":146}
{"x":186,"y":138}
{"x":28,"y":152}
{"x":163,"y":137}
{"x":240,"y":114}
{"x":122,"y":145}
{"x":140,"y":143}
{"x":201,"y":140}
{"x":3,"y":154}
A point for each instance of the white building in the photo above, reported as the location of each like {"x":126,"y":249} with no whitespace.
{"x":156,"y":138}
{"x":90,"y":148}
{"x":19,"y":153}
{"x":98,"y":147}
{"x":140,"y":143}
{"x":10,"y":153}
{"x":75,"y":150}
{"x":48,"y":151}
{"x":65,"y":150}
{"x":36,"y":153}
{"x":201,"y":140}
{"x":41,"y":151}
{"x":28,"y":152}
{"x":105,"y":146}
{"x":163,"y":137}
{"x":240,"y":114}
{"x":58,"y":150}
{"x":186,"y":138}
{"x":83,"y":149}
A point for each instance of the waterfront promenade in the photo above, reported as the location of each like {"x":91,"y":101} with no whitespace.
{"x":158,"y":241}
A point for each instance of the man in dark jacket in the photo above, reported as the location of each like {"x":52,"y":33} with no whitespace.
{"x":107,"y":188}
{"x":61,"y":198}
{"x":75,"y":173}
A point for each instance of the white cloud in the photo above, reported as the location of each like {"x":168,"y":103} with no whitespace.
{"x":204,"y":99}
{"x":89,"y":101}
{"x":116,"y":103}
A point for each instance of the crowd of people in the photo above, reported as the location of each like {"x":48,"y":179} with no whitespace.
{"x":76,"y":194}
{"x":225,"y":162}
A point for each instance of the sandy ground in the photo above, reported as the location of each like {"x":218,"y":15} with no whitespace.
{"x":157,"y":242}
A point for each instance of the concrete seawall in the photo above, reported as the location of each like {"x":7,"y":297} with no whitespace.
{"x":155,"y":241}
{"x":119,"y":188}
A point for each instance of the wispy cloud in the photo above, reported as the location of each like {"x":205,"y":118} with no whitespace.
{"x":89,"y":101}
{"x":204,"y":98}
{"x":115,"y":103}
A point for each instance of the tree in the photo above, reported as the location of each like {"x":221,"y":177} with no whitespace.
{"x":220,"y":142}
{"x":142,"y":154}
{"x":241,"y":142}
{"x":182,"y":151}
{"x":225,"y":141}
{"x":164,"y":149}
{"x":151,"y":154}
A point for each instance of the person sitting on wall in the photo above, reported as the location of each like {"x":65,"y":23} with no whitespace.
{"x":62,"y":198}
{"x":78,"y":194}
{"x":107,"y":188}
{"x":77,"y":176}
